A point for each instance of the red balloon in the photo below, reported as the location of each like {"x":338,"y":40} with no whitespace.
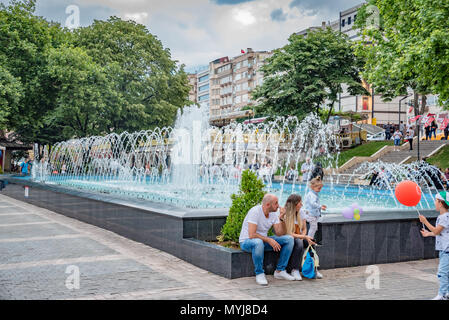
{"x":408,"y":193}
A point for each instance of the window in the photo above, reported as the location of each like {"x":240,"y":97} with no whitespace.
{"x":343,"y":22}
{"x":203,"y":88}
{"x":244,"y":63}
{"x":224,"y":68}
{"x":355,"y":17}
{"x":238,"y":99}
{"x":244,"y":98}
{"x":203,"y":98}
{"x":238,"y":88}
{"x":349,"y":20}
{"x":245,"y":86}
{"x":203,"y":78}
{"x":225,"y":80}
{"x":238,"y":76}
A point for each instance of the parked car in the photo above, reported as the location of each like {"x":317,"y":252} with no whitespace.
{"x":380,"y":136}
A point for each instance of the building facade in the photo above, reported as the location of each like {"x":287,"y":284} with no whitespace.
{"x":374,"y":109}
{"x":231,"y":83}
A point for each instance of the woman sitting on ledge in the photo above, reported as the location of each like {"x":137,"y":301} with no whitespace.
{"x":298,"y":230}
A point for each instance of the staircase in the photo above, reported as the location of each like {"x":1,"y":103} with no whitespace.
{"x":426,"y":148}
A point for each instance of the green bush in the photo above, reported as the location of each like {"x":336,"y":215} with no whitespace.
{"x":250,"y":194}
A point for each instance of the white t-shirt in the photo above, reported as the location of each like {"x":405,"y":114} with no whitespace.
{"x":397,"y":135}
{"x":442,"y":240}
{"x":308,"y":167}
{"x":256,"y":216}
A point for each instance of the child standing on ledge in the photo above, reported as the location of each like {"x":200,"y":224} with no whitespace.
{"x":441,"y":234}
{"x":312,"y":209}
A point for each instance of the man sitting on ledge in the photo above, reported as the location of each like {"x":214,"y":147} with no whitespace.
{"x":254,"y":237}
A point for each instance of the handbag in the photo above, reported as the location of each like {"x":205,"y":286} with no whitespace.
{"x":309,"y":263}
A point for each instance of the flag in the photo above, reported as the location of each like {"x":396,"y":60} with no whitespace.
{"x":429,"y":121}
{"x":445,"y":124}
{"x":242,"y":51}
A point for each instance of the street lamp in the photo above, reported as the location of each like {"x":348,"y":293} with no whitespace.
{"x":399,"y":113}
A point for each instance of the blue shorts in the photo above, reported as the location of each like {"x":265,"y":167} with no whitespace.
{"x":397,"y":142}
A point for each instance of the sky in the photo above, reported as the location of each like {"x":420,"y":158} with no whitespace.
{"x":200,"y":31}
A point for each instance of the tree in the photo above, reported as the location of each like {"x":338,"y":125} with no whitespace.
{"x":81,"y":86}
{"x":306,"y":72}
{"x":405,"y":48}
{"x":24,"y":43}
{"x":147,"y":86}
{"x":10,"y":95}
{"x":250,"y":194}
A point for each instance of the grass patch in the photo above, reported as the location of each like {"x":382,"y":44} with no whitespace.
{"x":364,"y":150}
{"x":440,"y":159}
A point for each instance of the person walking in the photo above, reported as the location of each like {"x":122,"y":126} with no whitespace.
{"x":409,"y":137}
{"x":428,"y":133}
{"x":397,"y":136}
{"x":306,"y":169}
{"x":388,"y":131}
{"x":433,"y":130}
{"x":441,"y":234}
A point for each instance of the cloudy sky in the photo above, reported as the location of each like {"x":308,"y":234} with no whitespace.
{"x":199,"y":31}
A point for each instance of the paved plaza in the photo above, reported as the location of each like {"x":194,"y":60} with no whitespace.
{"x":45,"y":255}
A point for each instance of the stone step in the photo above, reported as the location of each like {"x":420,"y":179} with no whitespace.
{"x":425,"y":149}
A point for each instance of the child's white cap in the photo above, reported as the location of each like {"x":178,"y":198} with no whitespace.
{"x":443,"y":196}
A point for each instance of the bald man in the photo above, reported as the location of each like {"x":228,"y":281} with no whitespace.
{"x":254,"y":237}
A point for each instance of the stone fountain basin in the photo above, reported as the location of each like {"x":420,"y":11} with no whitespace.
{"x":379,"y":237}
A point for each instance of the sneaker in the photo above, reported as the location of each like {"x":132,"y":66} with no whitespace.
{"x":295,"y":274}
{"x":439,"y":297}
{"x":283,"y":275}
{"x":319,"y":275}
{"x":260,"y":279}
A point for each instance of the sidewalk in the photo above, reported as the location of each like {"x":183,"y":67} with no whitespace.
{"x":41,"y":253}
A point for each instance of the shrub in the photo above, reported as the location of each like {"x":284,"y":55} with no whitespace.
{"x":250,"y":194}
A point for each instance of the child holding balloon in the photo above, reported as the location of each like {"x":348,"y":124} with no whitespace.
{"x":441,"y":234}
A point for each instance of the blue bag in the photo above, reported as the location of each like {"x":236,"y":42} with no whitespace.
{"x":309,"y":264}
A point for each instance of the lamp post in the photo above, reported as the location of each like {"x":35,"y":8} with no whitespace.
{"x":399,"y":113}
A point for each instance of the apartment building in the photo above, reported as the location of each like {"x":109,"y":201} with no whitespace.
{"x":203,"y":87}
{"x":232,"y":81}
{"x":193,"y":93}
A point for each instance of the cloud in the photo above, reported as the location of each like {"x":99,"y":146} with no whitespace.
{"x":325,"y":8}
{"x":229,"y":2}
{"x":200,"y":31}
{"x":278,"y":15}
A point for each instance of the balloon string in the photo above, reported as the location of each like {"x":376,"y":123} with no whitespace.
{"x":424,"y":227}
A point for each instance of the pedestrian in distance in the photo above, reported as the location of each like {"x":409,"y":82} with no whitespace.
{"x":397,"y":136}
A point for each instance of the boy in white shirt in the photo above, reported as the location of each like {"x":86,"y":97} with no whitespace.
{"x":441,"y":234}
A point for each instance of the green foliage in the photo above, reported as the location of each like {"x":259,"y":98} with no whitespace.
{"x":250,"y":194}
{"x":407,"y":49}
{"x":440,"y":159}
{"x":147,"y":87}
{"x":309,"y":70}
{"x":56,"y":84}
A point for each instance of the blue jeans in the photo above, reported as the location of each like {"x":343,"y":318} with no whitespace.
{"x":443,"y":273}
{"x":257,"y":248}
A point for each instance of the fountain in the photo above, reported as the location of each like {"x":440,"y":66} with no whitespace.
{"x":170,"y":188}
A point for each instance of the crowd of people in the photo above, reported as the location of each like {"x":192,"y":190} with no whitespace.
{"x":406,"y":132}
